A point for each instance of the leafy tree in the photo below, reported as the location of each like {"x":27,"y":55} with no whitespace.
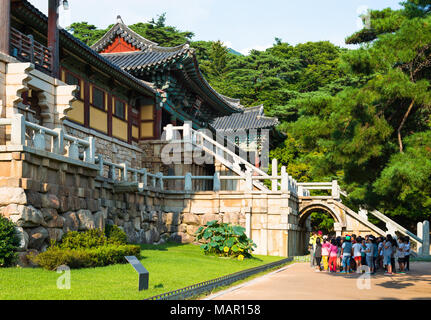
{"x":87,"y":33}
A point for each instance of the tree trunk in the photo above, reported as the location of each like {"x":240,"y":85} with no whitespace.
{"x":406,"y":115}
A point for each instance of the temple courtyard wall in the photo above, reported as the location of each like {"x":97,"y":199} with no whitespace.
{"x":47,"y":195}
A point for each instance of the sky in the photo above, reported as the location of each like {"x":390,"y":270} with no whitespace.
{"x":241,"y":24}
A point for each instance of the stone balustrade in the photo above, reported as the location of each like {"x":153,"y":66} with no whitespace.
{"x":52,"y":140}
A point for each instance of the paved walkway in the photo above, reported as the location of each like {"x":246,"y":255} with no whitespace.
{"x":300,"y":282}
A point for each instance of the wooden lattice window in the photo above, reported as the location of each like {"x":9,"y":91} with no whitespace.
{"x":120,"y":109}
{"x":98,"y":98}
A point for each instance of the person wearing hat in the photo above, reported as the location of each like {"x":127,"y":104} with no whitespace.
{"x":346,"y":253}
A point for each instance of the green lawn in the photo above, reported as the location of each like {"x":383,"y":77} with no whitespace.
{"x":171,"y":267}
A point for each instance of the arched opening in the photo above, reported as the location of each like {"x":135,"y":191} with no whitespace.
{"x":317,"y":217}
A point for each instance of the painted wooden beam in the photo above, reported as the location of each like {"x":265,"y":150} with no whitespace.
{"x":54,"y":36}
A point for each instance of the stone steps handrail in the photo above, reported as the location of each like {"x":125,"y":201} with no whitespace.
{"x":391,"y":224}
{"x":57,"y":136}
{"x":192,"y":136}
{"x":399,"y":228}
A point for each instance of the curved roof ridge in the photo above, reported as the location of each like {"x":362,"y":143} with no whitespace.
{"x":258,"y":108}
{"x":121,"y":29}
{"x":181,"y":47}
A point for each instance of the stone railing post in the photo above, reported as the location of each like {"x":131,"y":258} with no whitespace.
{"x":58,"y":142}
{"x":187,"y":132}
{"x":188,"y":186}
{"x":39,"y":140}
{"x":144,"y":177}
{"x":73,"y":151}
{"x":90,"y":150}
{"x":216,"y":182}
{"x":160,"y":178}
{"x":426,"y":238}
{"x":420,"y":235}
{"x":101,"y":171}
{"x":125,"y":172}
{"x":301,"y":191}
{"x":113,"y":174}
{"x":169,"y":132}
{"x":135,"y":176}
{"x":249,"y":181}
{"x":335,"y":190}
{"x":274,"y":182}
{"x":284,"y":179}
{"x":18,"y":130}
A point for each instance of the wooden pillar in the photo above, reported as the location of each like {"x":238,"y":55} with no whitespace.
{"x":53,"y":36}
{"x":109,"y":114}
{"x":129,"y":122}
{"x":4,"y":26}
{"x":87,"y":104}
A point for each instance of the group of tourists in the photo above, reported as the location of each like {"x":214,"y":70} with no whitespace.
{"x":367,"y":254}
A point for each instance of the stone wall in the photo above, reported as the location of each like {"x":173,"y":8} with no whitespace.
{"x":47,"y":195}
{"x":152,"y":160}
{"x":110,"y":148}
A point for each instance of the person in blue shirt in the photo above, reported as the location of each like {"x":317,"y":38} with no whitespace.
{"x":346,"y":253}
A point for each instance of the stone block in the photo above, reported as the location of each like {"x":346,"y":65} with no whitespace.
{"x":64,"y":204}
{"x":71,"y":222}
{"x":99,"y":220}
{"x":137,"y":223}
{"x":24,"y":216}
{"x":23,"y":239}
{"x":231,"y":217}
{"x":55,"y":234}
{"x":50,"y":201}
{"x":180,"y":237}
{"x":10,"y":195}
{"x":37,"y":238}
{"x":23,"y":259}
{"x":34,"y":198}
{"x":86,"y":220}
{"x":173,"y":218}
{"x":192,"y":219}
{"x":210,"y":217}
{"x":191,"y":230}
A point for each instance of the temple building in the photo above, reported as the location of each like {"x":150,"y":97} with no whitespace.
{"x":84,"y":133}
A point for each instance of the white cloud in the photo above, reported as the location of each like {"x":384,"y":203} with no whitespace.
{"x":246,"y":51}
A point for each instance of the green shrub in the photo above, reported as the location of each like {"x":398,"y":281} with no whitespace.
{"x":9,"y":242}
{"x":88,"y":239}
{"x":225,"y":240}
{"x":115,"y":235}
{"x":101,"y":256}
{"x":94,"y":238}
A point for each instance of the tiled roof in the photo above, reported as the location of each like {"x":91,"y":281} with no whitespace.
{"x":88,"y":51}
{"x":251,"y":118}
{"x":132,"y":61}
{"x":151,"y":56}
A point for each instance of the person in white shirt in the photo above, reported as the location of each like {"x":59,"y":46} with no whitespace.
{"x":400,"y":255}
{"x":357,"y":254}
{"x":406,"y":253}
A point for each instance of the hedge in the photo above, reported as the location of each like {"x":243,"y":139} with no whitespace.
{"x":84,"y":257}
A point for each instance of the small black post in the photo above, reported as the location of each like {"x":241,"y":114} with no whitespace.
{"x":144,"y":275}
